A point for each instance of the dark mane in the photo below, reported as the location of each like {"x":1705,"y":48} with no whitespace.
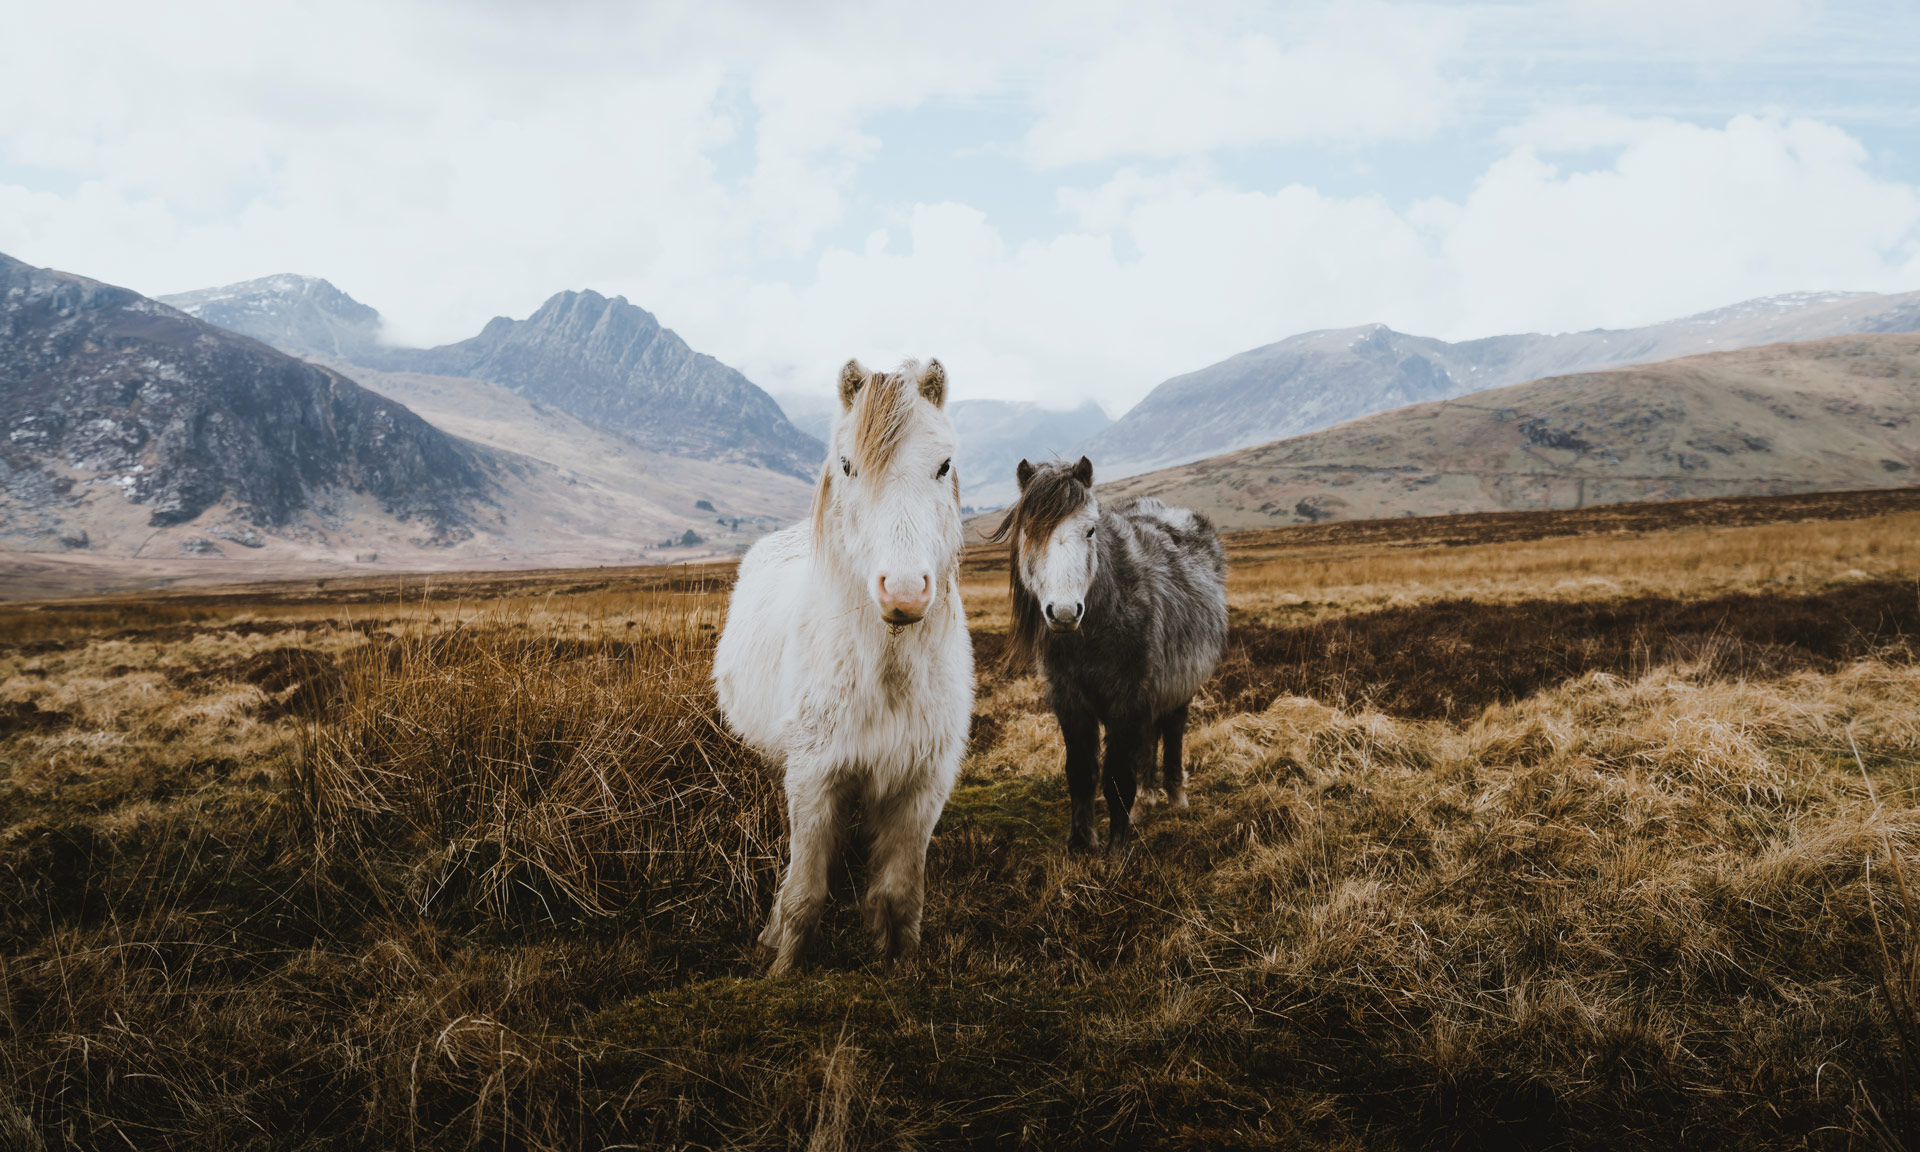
{"x":1051,"y":495}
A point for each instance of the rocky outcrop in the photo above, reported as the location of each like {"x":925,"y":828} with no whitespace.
{"x":104,"y":386}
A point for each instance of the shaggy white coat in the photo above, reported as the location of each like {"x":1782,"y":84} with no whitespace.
{"x":853,"y":709}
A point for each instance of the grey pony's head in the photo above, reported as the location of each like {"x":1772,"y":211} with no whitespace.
{"x":1052,"y":552}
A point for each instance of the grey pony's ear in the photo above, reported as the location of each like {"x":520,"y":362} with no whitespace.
{"x":1083,"y":471}
{"x":933,"y":383}
{"x":1023,"y":474}
{"x":851,"y":377}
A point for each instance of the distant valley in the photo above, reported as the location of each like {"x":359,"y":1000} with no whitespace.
{"x":265,"y":428}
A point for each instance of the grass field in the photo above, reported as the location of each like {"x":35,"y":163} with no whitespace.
{"x":1507,"y":832}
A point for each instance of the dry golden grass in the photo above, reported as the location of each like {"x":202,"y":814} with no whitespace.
{"x":543,"y":768}
{"x":1692,"y":562}
{"x":1276,"y":583}
{"x":484,"y":871}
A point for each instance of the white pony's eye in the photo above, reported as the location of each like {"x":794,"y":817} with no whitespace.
{"x":945,"y":467}
{"x":1092,"y":530}
{"x":846,"y":469}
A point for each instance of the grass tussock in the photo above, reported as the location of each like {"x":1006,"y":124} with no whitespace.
{"x":546,"y":776}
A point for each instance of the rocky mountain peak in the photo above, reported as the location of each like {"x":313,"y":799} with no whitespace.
{"x":610,"y":363}
{"x":304,"y":315}
{"x":603,"y":360}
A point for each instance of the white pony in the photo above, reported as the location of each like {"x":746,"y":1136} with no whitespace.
{"x":845,"y":658}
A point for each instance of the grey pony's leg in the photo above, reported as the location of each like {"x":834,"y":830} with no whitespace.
{"x":816,"y":819}
{"x":1081,"y":732}
{"x":1128,"y":737}
{"x":900,"y":827}
{"x":1173,"y":730}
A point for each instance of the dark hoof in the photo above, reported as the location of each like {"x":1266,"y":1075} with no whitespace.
{"x":1081,"y":846}
{"x":1120,"y":851}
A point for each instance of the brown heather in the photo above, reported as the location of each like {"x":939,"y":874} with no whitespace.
{"x":1591,"y":841}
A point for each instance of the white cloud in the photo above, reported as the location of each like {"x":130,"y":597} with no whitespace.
{"x":1216,"y":271}
{"x":1676,"y":219}
{"x":1358,"y":71}
{"x":1720,"y":29}
{"x":449,"y":167}
{"x":443,"y":165}
{"x":1682,"y":219}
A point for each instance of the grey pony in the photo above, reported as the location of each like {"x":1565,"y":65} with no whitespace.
{"x":1149,"y":634}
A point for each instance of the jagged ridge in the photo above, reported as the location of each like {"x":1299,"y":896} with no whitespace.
{"x":610,"y":363}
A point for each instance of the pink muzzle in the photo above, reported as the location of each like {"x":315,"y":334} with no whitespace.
{"x":904,"y":599}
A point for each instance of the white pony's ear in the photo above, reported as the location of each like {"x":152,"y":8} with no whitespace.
{"x":1023,"y":474}
{"x":851,"y":377}
{"x":933,"y":383}
{"x":1083,"y":471}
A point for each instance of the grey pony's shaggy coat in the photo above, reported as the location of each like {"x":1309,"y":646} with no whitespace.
{"x":1154,"y":627}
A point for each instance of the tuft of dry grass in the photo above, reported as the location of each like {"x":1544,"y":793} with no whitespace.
{"x":546,"y":774}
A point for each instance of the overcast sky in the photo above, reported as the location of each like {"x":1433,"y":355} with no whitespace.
{"x":1061,"y":201}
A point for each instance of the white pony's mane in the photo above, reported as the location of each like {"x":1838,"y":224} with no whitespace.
{"x":882,"y":411}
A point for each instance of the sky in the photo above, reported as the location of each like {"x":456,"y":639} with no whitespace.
{"x":1061,"y":201}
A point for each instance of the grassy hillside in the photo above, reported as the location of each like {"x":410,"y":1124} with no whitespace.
{"x":1836,"y":414}
{"x":1561,"y":836}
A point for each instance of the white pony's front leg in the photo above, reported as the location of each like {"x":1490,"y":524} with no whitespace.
{"x":816,"y":820}
{"x":897,"y":862}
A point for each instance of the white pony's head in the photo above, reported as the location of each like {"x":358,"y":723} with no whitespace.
{"x":1054,"y":554}
{"x":888,"y":504}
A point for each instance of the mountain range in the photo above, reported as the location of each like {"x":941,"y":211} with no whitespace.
{"x":137,"y":432}
{"x":605,"y":361}
{"x":1838,"y":413}
{"x":268,"y":427}
{"x":1319,"y":379}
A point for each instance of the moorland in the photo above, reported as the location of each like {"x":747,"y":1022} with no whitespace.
{"x":1579,"y":829}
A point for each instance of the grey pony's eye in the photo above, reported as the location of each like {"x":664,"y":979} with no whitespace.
{"x":846,"y":469}
{"x":945,"y":467}
{"x":1092,"y":530}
